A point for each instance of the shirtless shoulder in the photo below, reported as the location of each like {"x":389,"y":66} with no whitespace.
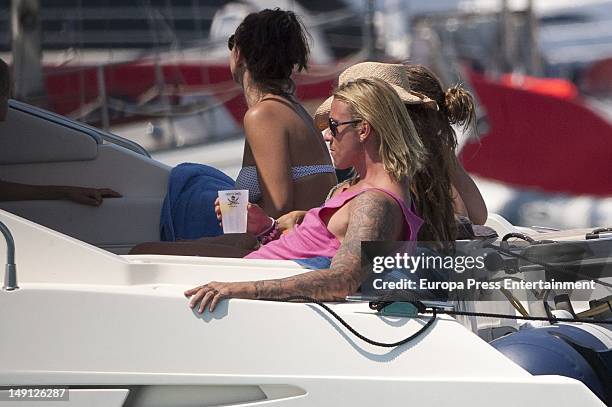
{"x":374,"y":215}
{"x":378,"y":215}
{"x":262,"y":114}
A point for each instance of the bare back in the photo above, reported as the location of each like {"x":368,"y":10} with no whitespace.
{"x":280,"y":135}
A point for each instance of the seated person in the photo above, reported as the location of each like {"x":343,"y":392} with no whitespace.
{"x":12,"y":191}
{"x":258,"y":219}
{"x":433,"y":125}
{"x":285,"y":165}
{"x":370,"y":130}
{"x":456,"y":107}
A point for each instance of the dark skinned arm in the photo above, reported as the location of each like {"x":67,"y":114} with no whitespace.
{"x":12,"y":191}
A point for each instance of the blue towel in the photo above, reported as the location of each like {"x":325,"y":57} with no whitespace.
{"x":315,"y":263}
{"x":188,"y":211}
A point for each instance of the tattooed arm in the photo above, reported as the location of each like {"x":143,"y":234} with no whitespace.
{"x":373,"y":216}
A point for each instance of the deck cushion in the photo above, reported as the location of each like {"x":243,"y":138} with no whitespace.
{"x":25,"y":138}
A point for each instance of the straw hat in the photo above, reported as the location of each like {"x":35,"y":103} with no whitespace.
{"x":393,"y":74}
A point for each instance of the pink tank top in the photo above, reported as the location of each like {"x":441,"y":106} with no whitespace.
{"x":312,"y":238}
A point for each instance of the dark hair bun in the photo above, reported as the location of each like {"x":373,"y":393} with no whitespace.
{"x":273,"y":43}
{"x":459,"y":106}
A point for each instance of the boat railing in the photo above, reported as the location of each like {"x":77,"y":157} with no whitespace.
{"x":10,"y":276}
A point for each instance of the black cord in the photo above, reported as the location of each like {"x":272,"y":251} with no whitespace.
{"x":529,"y":318}
{"x":434,"y":313}
{"x":351,"y":329}
{"x":518,"y":236}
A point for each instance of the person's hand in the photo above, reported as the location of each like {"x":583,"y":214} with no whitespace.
{"x":89,"y":196}
{"x":289,"y":220}
{"x":210,"y":294}
{"x":218,"y":211}
{"x":257,"y":219}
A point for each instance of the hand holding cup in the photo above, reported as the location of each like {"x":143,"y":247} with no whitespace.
{"x":231,"y":209}
{"x":257,"y":219}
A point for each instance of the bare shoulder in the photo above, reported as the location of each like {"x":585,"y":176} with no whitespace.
{"x":260,"y":117}
{"x":271,"y":108}
{"x":261,"y":111}
{"x":265,"y":121}
{"x":374,"y":215}
{"x":375,"y":201}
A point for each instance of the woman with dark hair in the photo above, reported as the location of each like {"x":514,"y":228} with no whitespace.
{"x":441,"y":188}
{"x":286,"y":165}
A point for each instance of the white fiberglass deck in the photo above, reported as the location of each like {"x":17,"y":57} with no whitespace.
{"x":86,"y":317}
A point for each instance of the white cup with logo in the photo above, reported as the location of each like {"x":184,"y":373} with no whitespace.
{"x":233,"y":205}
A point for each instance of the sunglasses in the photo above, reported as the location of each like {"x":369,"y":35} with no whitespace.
{"x":231,"y":42}
{"x":333,"y":125}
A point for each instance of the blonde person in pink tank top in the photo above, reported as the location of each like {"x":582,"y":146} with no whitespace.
{"x":371,"y":132}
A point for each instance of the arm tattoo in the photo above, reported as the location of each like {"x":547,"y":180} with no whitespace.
{"x":374,"y":216}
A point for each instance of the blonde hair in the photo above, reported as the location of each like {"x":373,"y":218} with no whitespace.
{"x":376,"y":102}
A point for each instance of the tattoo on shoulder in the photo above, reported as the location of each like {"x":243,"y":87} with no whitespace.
{"x":373,"y":217}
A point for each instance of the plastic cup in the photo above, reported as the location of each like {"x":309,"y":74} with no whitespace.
{"x":233,"y":205}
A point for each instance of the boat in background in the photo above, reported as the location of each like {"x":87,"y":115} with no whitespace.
{"x":544,"y":159}
{"x":158,"y":73}
{"x":116,"y":329}
{"x":173,"y":94}
{"x":541,"y":152}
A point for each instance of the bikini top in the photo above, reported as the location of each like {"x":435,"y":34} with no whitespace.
{"x":248,"y":179}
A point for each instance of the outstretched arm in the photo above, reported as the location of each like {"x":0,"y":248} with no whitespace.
{"x":373,"y":216}
{"x":12,"y":191}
